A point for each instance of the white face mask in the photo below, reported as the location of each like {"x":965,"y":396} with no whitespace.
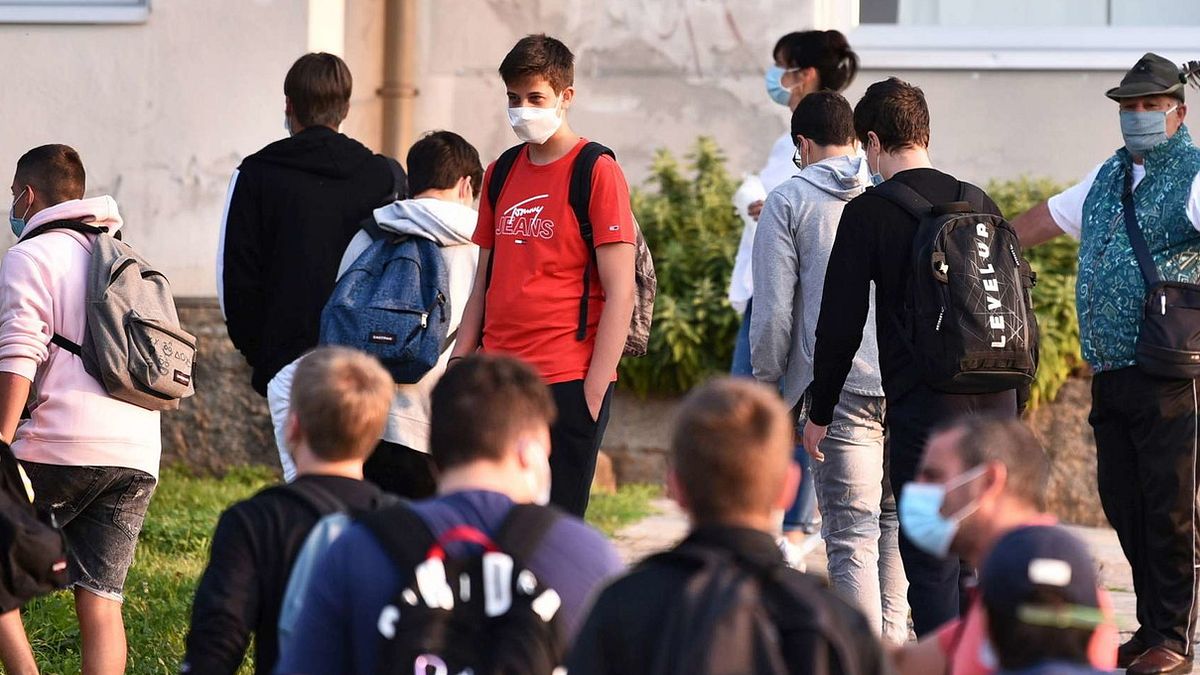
{"x":535,"y":125}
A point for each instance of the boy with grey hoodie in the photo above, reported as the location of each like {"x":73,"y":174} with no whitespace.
{"x":791,"y":250}
{"x":445,"y":175}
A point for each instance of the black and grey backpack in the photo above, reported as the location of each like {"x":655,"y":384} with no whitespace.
{"x":968,"y":318}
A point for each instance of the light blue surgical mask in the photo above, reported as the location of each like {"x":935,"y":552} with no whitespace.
{"x":876,"y":178}
{"x":1144,"y":129}
{"x":775,"y":89}
{"x":18,"y":224}
{"x":921,"y":513}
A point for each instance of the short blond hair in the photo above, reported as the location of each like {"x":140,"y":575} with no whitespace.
{"x":731,"y":448}
{"x":341,"y":399}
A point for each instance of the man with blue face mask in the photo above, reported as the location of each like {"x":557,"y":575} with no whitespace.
{"x":1145,"y":424}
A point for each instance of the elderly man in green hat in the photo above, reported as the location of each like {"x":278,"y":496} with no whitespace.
{"x":1137,"y":218}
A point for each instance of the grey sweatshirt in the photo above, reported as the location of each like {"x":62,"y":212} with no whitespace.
{"x":791,"y":250}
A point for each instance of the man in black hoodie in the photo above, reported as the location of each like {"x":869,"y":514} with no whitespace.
{"x":291,"y":210}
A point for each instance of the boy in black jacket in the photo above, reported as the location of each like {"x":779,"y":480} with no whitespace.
{"x":339,"y":405}
{"x":291,"y":210}
{"x":732,"y":471}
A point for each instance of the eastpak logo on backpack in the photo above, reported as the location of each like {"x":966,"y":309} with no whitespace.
{"x":133,"y":343}
{"x":970,"y":321}
{"x":479,"y":614}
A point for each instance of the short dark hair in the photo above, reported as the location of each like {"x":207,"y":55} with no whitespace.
{"x":54,"y":171}
{"x":896,"y":111}
{"x":1009,"y":441}
{"x":440,"y":159}
{"x":539,"y":56}
{"x":1019,"y":645}
{"x":481,"y":405}
{"x":319,"y":86}
{"x":825,"y":118}
{"x":827,"y":51}
{"x":730,"y":449}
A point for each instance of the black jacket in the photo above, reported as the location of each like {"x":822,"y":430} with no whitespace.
{"x":241,"y":590}
{"x":624,"y":632}
{"x":873,"y":244}
{"x":292,"y":209}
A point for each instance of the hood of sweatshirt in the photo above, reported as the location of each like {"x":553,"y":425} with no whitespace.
{"x":316,"y":150}
{"x":97,"y":211}
{"x":445,"y":223}
{"x":842,"y":177}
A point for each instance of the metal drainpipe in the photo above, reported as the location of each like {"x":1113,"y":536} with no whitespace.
{"x":399,"y":89}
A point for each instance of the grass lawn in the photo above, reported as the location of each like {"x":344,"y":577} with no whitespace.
{"x":172,"y":551}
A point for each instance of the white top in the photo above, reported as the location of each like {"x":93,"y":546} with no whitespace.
{"x":779,"y":167}
{"x":1066,"y":207}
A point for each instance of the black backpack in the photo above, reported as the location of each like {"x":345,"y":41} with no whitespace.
{"x":739,"y":616}
{"x":970,"y":321}
{"x":34,"y":559}
{"x":580,"y":198}
{"x":485,"y":614}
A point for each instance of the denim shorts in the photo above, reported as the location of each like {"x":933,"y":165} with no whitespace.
{"x":100,"y":510}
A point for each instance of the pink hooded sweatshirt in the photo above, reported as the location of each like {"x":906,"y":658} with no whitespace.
{"x":72,"y":421}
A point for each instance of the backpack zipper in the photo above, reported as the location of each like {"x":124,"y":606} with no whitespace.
{"x":439,"y":301}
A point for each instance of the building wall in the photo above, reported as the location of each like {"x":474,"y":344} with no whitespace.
{"x":163,"y":111}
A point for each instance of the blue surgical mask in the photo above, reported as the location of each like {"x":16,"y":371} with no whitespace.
{"x":775,"y":89}
{"x":18,"y":224}
{"x":876,"y":178}
{"x":921,"y":513}
{"x":1144,"y":129}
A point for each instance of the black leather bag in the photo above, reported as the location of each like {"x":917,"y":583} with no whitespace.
{"x":1168,"y":343}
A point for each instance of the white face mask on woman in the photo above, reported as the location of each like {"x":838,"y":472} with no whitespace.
{"x":535,"y":125}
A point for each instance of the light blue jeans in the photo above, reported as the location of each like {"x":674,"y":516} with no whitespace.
{"x":858,"y":512}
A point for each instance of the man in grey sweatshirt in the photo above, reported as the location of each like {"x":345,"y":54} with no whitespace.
{"x":791,"y":250}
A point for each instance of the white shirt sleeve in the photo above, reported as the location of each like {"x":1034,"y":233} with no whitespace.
{"x":1066,"y":207}
{"x":1193,"y":205}
{"x":221,"y":244}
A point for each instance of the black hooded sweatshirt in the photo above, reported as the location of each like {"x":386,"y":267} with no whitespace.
{"x":292,"y":209}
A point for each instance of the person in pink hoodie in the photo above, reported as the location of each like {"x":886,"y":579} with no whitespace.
{"x":91,"y":459}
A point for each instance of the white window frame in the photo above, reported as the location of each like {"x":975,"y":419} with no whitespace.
{"x":896,"y":47}
{"x":32,"y":11}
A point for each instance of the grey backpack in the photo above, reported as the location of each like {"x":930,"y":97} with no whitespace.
{"x":133,"y":344}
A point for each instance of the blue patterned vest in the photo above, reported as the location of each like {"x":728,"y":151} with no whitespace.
{"x":1109,"y":290}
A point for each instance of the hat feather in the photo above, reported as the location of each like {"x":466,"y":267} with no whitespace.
{"x":1190,"y":73}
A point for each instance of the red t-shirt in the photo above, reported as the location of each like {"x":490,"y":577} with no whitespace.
{"x":532,"y":304}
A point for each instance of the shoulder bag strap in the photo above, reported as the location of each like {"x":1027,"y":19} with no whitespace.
{"x":903,"y":196}
{"x":401,"y":532}
{"x":524,"y":528}
{"x":1141,"y":250}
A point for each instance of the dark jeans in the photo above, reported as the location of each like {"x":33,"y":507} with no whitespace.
{"x":100,"y":510}
{"x":402,"y":471}
{"x":1146,"y":468}
{"x":933,"y":583}
{"x":574,"y":443}
{"x":741,"y":346}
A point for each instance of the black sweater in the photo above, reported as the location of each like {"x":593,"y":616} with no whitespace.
{"x":293,"y":208}
{"x":241,"y":590}
{"x":873,"y":244}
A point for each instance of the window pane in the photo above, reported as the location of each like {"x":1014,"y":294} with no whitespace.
{"x":878,"y":11}
{"x":985,"y":13}
{"x":1155,"y":13}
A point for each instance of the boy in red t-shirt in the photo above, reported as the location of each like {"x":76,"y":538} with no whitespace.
{"x":530,"y":307}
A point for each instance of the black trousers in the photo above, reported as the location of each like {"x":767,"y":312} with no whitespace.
{"x":575,"y":441}
{"x":402,"y":471}
{"x":933,"y":583}
{"x":1146,"y":465}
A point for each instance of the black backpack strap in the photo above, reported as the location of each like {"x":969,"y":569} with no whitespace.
{"x":1137,"y":240}
{"x":524,"y":528}
{"x":73,"y":225}
{"x":500,"y":171}
{"x":579,"y":196}
{"x":973,"y":195}
{"x":66,"y":345}
{"x":320,"y":501}
{"x":401,"y":532}
{"x":399,"y":181}
{"x":903,"y":196}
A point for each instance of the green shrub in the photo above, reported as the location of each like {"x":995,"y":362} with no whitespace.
{"x":1054,"y":296}
{"x":693,"y":232}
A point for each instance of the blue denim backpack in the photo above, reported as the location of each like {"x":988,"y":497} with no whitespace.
{"x":393,"y":303}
